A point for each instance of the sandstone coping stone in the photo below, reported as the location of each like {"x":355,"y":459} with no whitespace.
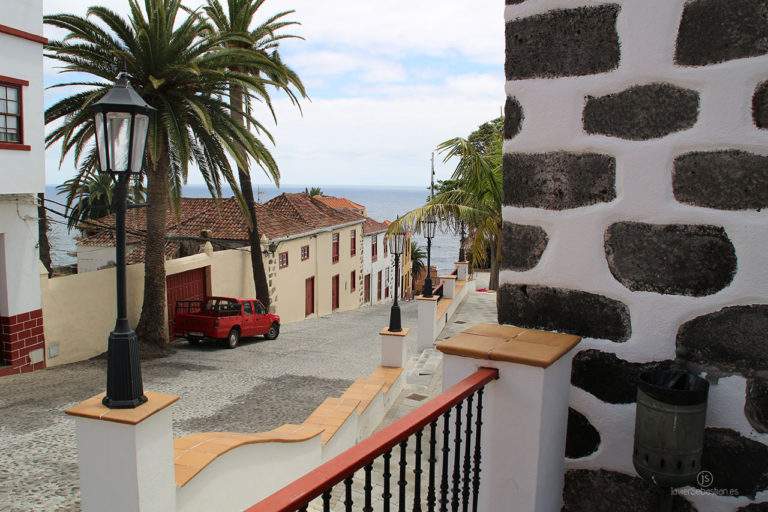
{"x":563,"y":42}
{"x":642,"y":112}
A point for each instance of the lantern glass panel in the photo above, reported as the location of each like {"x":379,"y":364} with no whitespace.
{"x":118,"y":140}
{"x":101,"y":145}
{"x":140,"y":130}
{"x":429,"y":227}
{"x":396,"y":242}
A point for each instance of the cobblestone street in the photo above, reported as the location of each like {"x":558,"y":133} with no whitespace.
{"x":258,"y":386}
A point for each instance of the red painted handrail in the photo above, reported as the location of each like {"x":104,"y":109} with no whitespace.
{"x":313,"y":484}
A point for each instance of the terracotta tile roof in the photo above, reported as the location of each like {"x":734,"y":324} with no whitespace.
{"x":371,"y":226}
{"x":284,"y":216}
{"x":341,"y":202}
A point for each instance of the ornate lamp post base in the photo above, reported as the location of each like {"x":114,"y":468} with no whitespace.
{"x":124,"y":385}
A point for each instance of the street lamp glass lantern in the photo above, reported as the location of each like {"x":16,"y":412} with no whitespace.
{"x":397,"y":241}
{"x":121,"y":125}
{"x":429,"y":223}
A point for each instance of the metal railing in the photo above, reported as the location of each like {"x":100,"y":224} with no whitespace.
{"x":438,"y":291}
{"x":454,"y":482}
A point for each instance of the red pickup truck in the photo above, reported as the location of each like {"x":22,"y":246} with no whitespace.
{"x":224,"y":318}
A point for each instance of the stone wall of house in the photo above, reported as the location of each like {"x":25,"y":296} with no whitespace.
{"x":635,"y":189}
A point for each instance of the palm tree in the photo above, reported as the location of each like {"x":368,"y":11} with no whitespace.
{"x":417,"y":262}
{"x":314,"y":191}
{"x":182,"y":71}
{"x":235,"y":26}
{"x":475,"y":200}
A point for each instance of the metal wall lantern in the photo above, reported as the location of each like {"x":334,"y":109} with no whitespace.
{"x":121,"y":124}
{"x":271,"y":248}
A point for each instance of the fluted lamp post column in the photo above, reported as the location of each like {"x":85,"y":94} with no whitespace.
{"x":396,"y":245}
{"x":429,"y":224}
{"x":121,"y":123}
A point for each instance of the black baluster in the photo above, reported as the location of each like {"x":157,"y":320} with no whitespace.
{"x":348,"y":494}
{"x":432,"y":460}
{"x":367,"y":488}
{"x":456,"y":461}
{"x":303,"y":509}
{"x":327,"y":501}
{"x":467,"y":460}
{"x":446,"y":454}
{"x":387,"y":494}
{"x":417,"y":473}
{"x":402,"y":482}
{"x":478,"y":430}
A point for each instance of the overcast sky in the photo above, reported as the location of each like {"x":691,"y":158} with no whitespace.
{"x":388,"y":82}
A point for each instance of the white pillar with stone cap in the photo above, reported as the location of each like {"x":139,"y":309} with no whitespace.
{"x":449,"y":286}
{"x":427,"y":321}
{"x":462,"y":272}
{"x":525,"y":411}
{"x":126,"y":455}
{"x":394,"y":349}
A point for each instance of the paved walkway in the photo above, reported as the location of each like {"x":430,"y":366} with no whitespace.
{"x":258,"y":386}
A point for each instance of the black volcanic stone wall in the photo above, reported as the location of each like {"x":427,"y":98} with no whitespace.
{"x":559,"y":309}
{"x":735,"y":461}
{"x":513,"y":117}
{"x":583,"y":439}
{"x":675,"y":259}
{"x":756,"y":404}
{"x":642,"y":112}
{"x":760,"y":106}
{"x":609,"y":378}
{"x":713,"y":31}
{"x":726,"y":180}
{"x":522,"y":246}
{"x":733,"y":339}
{"x":568,"y":42}
{"x":754,"y":507}
{"x":558,"y":180}
{"x":608,"y":491}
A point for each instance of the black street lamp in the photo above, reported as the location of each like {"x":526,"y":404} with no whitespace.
{"x":396,"y":245}
{"x":121,"y":123}
{"x":429,"y":224}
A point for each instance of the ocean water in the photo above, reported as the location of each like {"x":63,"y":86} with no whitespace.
{"x":382,"y":203}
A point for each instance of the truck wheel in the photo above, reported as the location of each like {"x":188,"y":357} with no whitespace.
{"x":232,"y":338}
{"x":273,"y":332}
{"x":193,"y":340}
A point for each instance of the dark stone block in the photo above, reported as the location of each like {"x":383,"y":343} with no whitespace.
{"x":513,"y":117}
{"x":675,"y":259}
{"x":756,"y":405}
{"x":726,"y":180}
{"x":609,"y":491}
{"x":512,"y":2}
{"x":566,"y":42}
{"x":559,"y":309}
{"x":558,"y":180}
{"x":608,"y":377}
{"x":522,"y":246}
{"x":732,"y":339}
{"x":735,"y":462}
{"x":760,"y":106}
{"x":754,"y":507}
{"x":713,"y":31}
{"x":583,"y":438}
{"x":642,"y":112}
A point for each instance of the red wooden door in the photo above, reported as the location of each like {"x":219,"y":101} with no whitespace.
{"x":367,"y":287}
{"x":189,"y":285}
{"x":309,"y":296}
{"x":378,"y":288}
{"x":335,"y":292}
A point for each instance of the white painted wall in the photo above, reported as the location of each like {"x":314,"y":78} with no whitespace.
{"x":20,"y":267}
{"x":575,"y":258}
{"x":381,"y":264}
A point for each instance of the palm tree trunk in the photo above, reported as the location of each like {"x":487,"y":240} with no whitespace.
{"x":493,"y":281}
{"x":151,"y":328}
{"x":254,"y":239}
{"x":42,"y":227}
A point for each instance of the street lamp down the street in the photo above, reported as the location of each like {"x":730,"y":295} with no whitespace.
{"x":429,"y":224}
{"x":396,"y":245}
{"x":121,"y":123}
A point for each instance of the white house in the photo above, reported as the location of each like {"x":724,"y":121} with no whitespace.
{"x":378,"y":264}
{"x":22,"y":177}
